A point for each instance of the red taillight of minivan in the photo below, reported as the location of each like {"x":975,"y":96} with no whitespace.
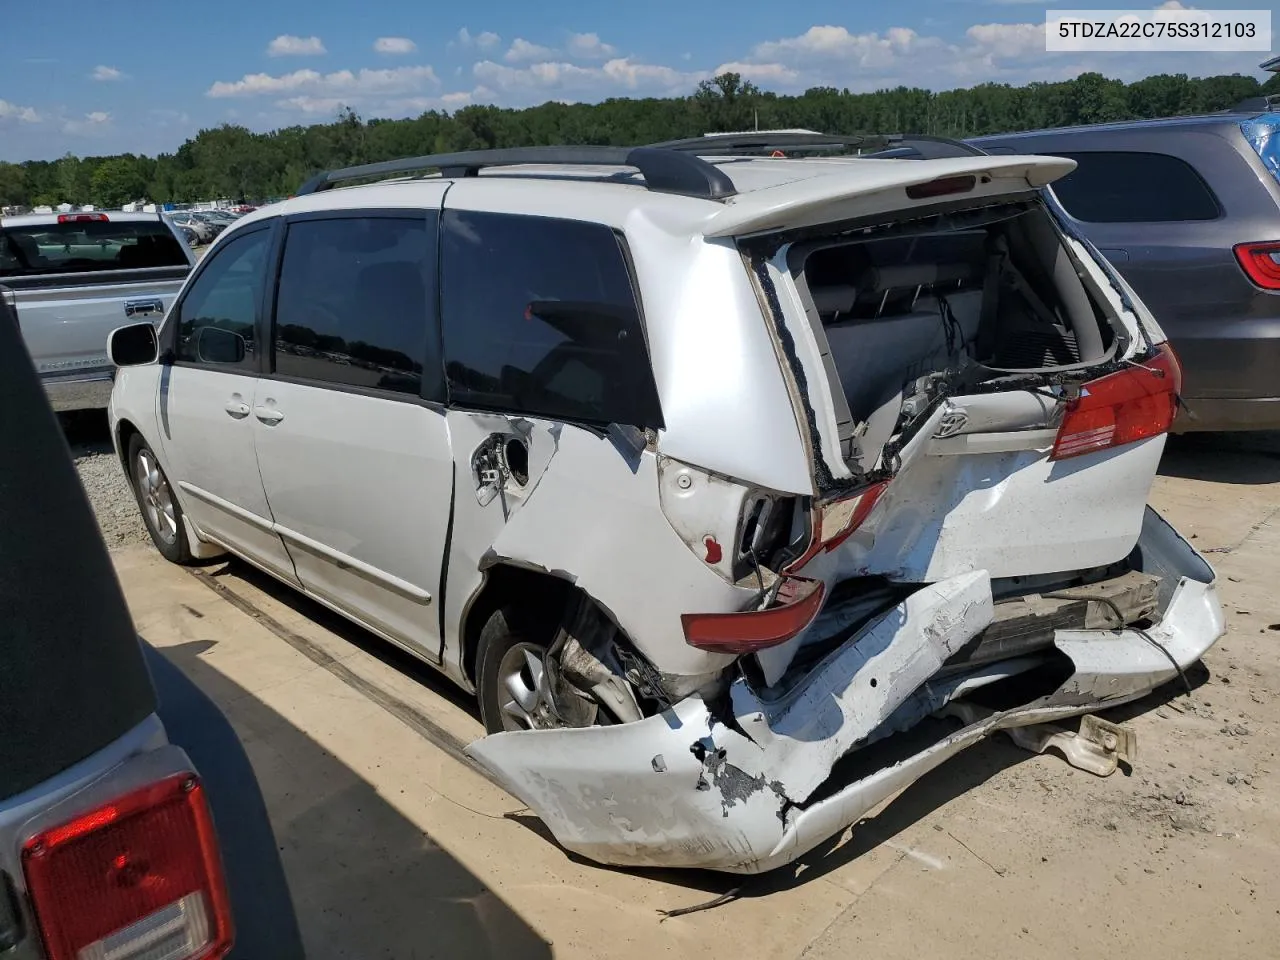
{"x":799,"y":599}
{"x":139,"y":877}
{"x":1140,"y":401}
{"x":798,"y":602}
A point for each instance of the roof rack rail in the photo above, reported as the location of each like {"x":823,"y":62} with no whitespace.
{"x":925,"y":147}
{"x":664,"y":171}
{"x":802,"y":141}
{"x":762,"y":141}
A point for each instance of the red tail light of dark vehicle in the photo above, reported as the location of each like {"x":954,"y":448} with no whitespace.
{"x":1261,"y":262}
{"x":139,"y":877}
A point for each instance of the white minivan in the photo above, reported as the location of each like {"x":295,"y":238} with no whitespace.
{"x":704,"y":470}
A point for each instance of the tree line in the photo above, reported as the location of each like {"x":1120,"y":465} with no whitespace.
{"x":233,"y":162}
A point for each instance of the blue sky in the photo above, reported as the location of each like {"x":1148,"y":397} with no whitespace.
{"x":92,"y":77}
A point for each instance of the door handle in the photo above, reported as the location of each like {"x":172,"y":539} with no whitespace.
{"x":268,"y":415}
{"x":237,"y":408}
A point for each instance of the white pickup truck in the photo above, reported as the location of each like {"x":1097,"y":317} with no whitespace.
{"x":73,"y":278}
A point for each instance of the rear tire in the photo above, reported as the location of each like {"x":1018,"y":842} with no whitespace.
{"x":509,"y":672}
{"x":161,"y":512}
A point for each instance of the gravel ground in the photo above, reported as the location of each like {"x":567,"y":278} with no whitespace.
{"x":104,"y":481}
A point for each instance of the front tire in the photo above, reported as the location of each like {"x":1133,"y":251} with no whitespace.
{"x":161,"y":512}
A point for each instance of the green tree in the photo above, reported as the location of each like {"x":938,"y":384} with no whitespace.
{"x":727,"y":102}
{"x":73,"y":179}
{"x":117,"y":181}
{"x":1098,"y":100}
{"x":13,"y":185}
{"x":1163,"y":95}
{"x":234,"y":162}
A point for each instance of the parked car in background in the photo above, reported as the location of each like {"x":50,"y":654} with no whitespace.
{"x":192,"y":238}
{"x":215,"y":223}
{"x":191,"y":222}
{"x":131,"y":823}
{"x":74,"y":277}
{"x":1188,"y":210}
{"x":701,"y":471}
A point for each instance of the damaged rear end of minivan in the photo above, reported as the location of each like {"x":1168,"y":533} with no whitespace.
{"x":983,"y":403}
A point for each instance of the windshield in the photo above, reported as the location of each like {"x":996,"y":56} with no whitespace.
{"x":87,"y":247}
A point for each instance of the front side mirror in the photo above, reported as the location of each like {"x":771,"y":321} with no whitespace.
{"x":133,"y":345}
{"x":216,"y":345}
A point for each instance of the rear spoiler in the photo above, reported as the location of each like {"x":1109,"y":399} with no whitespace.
{"x":863,"y":187}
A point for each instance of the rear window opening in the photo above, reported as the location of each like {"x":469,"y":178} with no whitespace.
{"x":944,"y":305}
{"x":88,"y":246}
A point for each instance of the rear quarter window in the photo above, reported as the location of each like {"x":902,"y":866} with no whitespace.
{"x":540,"y":317}
{"x":88,"y":247}
{"x":1133,"y":187}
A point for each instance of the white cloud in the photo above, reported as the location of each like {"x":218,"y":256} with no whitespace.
{"x":394,"y":45}
{"x":547,"y":74}
{"x":287,"y":45}
{"x":341,"y":83}
{"x":313,"y":105}
{"x":522,"y":51}
{"x":648,"y":75}
{"x":417,"y":105}
{"x":559,"y":80}
{"x":106,"y":74}
{"x":1011,"y":40}
{"x":486,"y":40}
{"x":589,"y":46}
{"x":760,"y":73}
{"x":867,"y":50}
{"x":832,"y":56}
{"x":91,"y":123}
{"x":11,"y":111}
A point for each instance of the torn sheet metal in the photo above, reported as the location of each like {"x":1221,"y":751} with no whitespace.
{"x":596,"y":500}
{"x":1014,"y":513}
{"x":683,"y":789}
{"x":859,"y":686}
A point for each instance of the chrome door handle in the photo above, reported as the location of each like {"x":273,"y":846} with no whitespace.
{"x":237,"y":408}
{"x":268,"y":415}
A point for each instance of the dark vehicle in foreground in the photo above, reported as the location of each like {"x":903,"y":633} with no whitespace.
{"x":131,"y":824}
{"x":1188,"y":210}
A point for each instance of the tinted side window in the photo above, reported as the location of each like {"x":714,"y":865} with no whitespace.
{"x":352,"y":302}
{"x":539,"y":317}
{"x":218,"y":316}
{"x":1134,"y":188}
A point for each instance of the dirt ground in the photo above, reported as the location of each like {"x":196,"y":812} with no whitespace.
{"x":396,"y":847}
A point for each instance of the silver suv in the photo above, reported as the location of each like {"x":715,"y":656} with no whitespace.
{"x":702,"y":469}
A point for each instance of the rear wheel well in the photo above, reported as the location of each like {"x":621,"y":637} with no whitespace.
{"x":538,"y":598}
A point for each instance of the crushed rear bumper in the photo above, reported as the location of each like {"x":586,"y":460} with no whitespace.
{"x":732,"y":788}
